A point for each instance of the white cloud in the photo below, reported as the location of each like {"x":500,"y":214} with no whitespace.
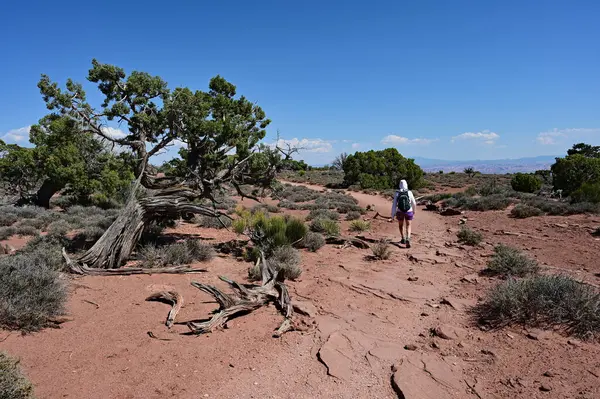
{"x":355,"y":146}
{"x":307,"y":145}
{"x":553,"y":137}
{"x":19,"y":135}
{"x":392,"y":139}
{"x":484,"y":136}
{"x":113,"y":132}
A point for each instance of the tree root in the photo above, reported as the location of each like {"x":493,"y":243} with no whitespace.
{"x":346,"y":241}
{"x":245,"y":299}
{"x":82,"y":269}
{"x":171,"y":297}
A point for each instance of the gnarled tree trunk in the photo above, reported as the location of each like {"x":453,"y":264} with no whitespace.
{"x":119,"y":240}
{"x":43,"y":195}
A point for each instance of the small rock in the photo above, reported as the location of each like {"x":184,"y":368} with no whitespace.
{"x":231,"y":365}
{"x":448,"y":332}
{"x":413,"y":278}
{"x":532,"y":336}
{"x":549,"y":374}
{"x":470,"y":278}
{"x":435,"y":345}
{"x":410,"y":347}
{"x":574,"y":342}
{"x":545,"y":388}
{"x":488,"y":352}
{"x":424,"y":314}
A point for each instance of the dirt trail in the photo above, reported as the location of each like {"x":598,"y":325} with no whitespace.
{"x":365,"y":314}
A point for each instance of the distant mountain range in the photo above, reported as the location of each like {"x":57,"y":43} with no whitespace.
{"x":498,"y":166}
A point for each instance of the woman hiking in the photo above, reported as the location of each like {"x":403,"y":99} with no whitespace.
{"x":403,"y":208}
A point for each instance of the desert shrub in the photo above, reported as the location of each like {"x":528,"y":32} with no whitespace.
{"x":213,"y":222}
{"x":35,"y":223}
{"x":509,"y":261}
{"x":543,"y":301}
{"x":58,"y":228}
{"x":522,"y":211}
{"x":284,"y":259}
{"x":13,"y":384}
{"x":273,"y":208}
{"x":8,"y":219}
{"x":298,"y":194}
{"x":359,"y":225}
{"x":151,"y":256}
{"x":31,"y":292}
{"x":313,"y":241}
{"x":588,"y":192}
{"x":200,"y":251}
{"x":91,"y":233}
{"x":239,"y":225}
{"x":326,"y":226}
{"x":48,"y":248}
{"x":7,"y":232}
{"x":179,"y":253}
{"x":561,"y":208}
{"x":525,"y":183}
{"x":26,"y":230}
{"x":288,"y":205}
{"x":353,"y":215}
{"x":29,"y":212}
{"x":495,"y":202}
{"x":381,"y":250}
{"x":468,"y":236}
{"x":295,"y":230}
{"x":323,"y":214}
{"x":438,"y":197}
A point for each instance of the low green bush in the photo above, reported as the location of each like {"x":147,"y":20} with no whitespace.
{"x":526,"y":183}
{"x":325,"y":226}
{"x":359,"y":226}
{"x":313,"y":241}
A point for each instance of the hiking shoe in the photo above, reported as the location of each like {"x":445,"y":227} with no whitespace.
{"x":408,"y":243}
{"x":403,"y":241}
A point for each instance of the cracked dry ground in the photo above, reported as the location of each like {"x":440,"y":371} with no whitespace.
{"x":371,"y":336}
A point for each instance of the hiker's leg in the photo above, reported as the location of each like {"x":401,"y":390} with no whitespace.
{"x":408,"y":228}
{"x":401,"y":226}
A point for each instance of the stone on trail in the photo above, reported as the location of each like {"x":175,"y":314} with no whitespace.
{"x":446,"y":331}
{"x":336,"y":355}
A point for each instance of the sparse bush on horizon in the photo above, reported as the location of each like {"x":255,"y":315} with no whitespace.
{"x":543,"y":301}
{"x":522,"y":211}
{"x":525,"y":183}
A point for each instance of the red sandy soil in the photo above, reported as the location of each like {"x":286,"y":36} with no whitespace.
{"x":365,"y":312}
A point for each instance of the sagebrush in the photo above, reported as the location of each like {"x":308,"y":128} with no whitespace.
{"x":508,"y":261}
{"x":13,"y":384}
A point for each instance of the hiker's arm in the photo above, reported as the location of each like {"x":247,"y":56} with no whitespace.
{"x":394,"y":205}
{"x":413,"y":202}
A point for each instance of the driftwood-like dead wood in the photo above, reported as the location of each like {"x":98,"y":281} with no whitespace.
{"x":82,"y":269}
{"x":358,"y":243}
{"x":175,"y":299}
{"x":245,"y":299}
{"x":378,"y":215}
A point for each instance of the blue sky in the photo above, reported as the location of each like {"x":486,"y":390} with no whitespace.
{"x":437,"y":79}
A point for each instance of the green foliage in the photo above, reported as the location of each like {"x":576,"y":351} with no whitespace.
{"x":545,"y":175}
{"x":468,"y":236}
{"x":586,"y":150}
{"x":543,"y":301}
{"x":8,"y":219}
{"x":588,"y":192}
{"x":525,"y":183}
{"x":359,"y":226}
{"x":13,"y":384}
{"x":381,"y":250}
{"x":32,"y":292}
{"x":381,"y":170}
{"x":64,"y":156}
{"x":522,"y":211}
{"x":325,"y":226}
{"x":508,"y":261}
{"x":571,"y":172}
{"x":313,"y":241}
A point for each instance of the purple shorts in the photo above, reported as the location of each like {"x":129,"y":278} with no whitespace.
{"x":405,"y":215}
